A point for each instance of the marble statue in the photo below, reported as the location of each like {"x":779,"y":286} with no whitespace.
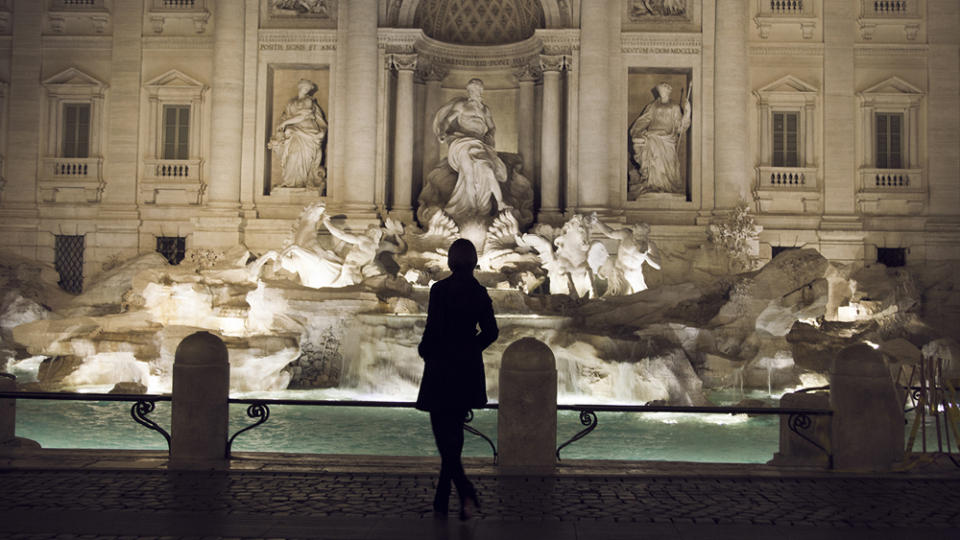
{"x":474,"y":184}
{"x":314,"y":265}
{"x":565,"y":257}
{"x":623,"y":271}
{"x":299,"y":139}
{"x":466,"y":125}
{"x":655,"y":144}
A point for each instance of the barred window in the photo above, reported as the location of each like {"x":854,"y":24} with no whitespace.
{"x":68,"y":261}
{"x":786,"y":135}
{"x":76,"y":130}
{"x":889,"y":140}
{"x":176,"y":132}
{"x":172,"y":248}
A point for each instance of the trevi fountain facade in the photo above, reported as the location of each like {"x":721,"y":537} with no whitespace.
{"x":675,"y":195}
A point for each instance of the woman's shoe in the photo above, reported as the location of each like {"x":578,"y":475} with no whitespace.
{"x":469,"y":506}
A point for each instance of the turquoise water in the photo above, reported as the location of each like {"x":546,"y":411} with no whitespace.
{"x":406,"y":432}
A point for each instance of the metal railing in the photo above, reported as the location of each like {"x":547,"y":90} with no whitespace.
{"x":799,"y":419}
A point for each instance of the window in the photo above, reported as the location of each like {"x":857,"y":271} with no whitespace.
{"x":176,"y":132}
{"x":68,"y":261}
{"x":892,"y":257}
{"x":776,"y":250}
{"x":76,"y":130}
{"x":786,"y":133}
{"x":889,"y":143}
{"x":172,"y":248}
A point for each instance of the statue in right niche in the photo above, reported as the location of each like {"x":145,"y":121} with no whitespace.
{"x":655,"y":145}
{"x":299,"y":139}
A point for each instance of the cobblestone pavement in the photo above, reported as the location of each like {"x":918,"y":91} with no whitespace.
{"x":41,"y":504}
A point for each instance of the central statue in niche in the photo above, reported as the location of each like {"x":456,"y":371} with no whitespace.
{"x":474,"y":184}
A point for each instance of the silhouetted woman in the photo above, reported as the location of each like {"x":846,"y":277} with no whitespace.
{"x":453,"y":379}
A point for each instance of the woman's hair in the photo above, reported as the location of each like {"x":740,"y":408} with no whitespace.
{"x":462,"y":256}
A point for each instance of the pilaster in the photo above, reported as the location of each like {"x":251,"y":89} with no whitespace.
{"x":839,"y":108}
{"x":219,"y":226}
{"x":362,"y":68}
{"x":733,"y":168}
{"x":943,"y":109}
{"x":595,"y":104}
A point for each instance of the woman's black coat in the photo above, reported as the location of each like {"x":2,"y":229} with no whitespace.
{"x":451,"y":348}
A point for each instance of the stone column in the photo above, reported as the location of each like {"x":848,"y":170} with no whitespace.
{"x":432,"y":77}
{"x":403,"y":138}
{"x":219,"y":226}
{"x":550,"y":139}
{"x":527,"y":415}
{"x":526,"y":111}
{"x":362,"y":71}
{"x":868,"y":421}
{"x":734,"y":167}
{"x":199,"y":418}
{"x":596,"y":80}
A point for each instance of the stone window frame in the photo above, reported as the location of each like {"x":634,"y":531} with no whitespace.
{"x":788,"y":94}
{"x":891,"y":95}
{"x":72,"y":179}
{"x":161,"y":176}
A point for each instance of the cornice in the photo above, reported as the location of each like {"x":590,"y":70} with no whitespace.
{"x":559,"y":41}
{"x":77,"y":42}
{"x":306,"y":39}
{"x":786,"y":49}
{"x":481,"y":57}
{"x":178,"y":42}
{"x":650,"y":43}
{"x":873,"y":50}
{"x":401,"y":40}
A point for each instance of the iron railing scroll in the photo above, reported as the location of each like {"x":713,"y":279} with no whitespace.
{"x":798,"y":419}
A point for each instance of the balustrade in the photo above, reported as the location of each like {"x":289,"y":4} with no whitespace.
{"x":169,"y":170}
{"x":891,"y":179}
{"x":786,"y":7}
{"x":890,"y":7}
{"x":786,"y":177}
{"x":72,"y":167}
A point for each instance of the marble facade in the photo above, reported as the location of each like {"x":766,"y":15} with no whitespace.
{"x":565,"y":78}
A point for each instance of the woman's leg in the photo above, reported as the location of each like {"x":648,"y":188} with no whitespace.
{"x":448,"y":432}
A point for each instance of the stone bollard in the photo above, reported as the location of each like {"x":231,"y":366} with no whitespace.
{"x":794,"y":450}
{"x":868,"y":421}
{"x":527,"y":418}
{"x":8,"y":410}
{"x":201,"y":387}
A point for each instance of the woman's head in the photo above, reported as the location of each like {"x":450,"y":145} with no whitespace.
{"x":462,"y":256}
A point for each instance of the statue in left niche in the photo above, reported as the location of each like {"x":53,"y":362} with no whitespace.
{"x":299,"y":140}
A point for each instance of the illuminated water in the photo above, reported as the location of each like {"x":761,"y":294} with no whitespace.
{"x":406,"y":432}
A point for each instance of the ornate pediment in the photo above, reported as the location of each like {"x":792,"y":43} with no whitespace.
{"x":787,"y":84}
{"x":785,"y":90}
{"x":174,"y":79}
{"x":894,"y":86}
{"x":73,"y":77}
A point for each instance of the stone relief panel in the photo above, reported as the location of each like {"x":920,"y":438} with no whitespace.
{"x":297,"y":127}
{"x":298,"y":13}
{"x":661,"y":15}
{"x":641,"y":9}
{"x":659,"y":112}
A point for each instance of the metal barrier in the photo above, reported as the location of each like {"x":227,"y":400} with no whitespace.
{"x":799,"y":419}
